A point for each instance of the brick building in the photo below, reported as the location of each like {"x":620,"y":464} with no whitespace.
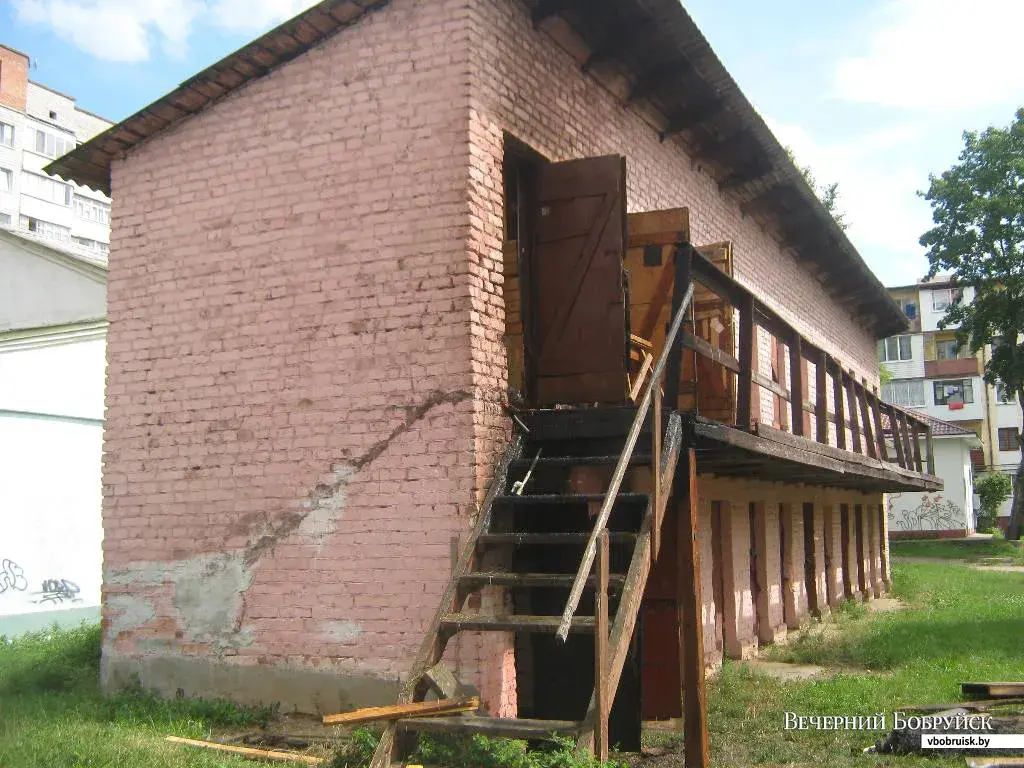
{"x":315,"y":314}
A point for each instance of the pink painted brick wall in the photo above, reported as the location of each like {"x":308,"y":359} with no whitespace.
{"x":292,"y":433}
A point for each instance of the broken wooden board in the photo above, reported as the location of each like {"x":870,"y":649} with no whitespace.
{"x":396,"y":711}
{"x":442,"y":681}
{"x":255,"y":754}
{"x":993,"y":690}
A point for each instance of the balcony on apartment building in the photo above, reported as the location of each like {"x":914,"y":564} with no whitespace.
{"x":938,"y":369}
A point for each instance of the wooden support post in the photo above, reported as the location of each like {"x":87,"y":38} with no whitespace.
{"x":780,"y":365}
{"x":883,"y":535}
{"x":876,"y":417}
{"x":915,"y":428}
{"x":674,"y":364}
{"x":691,"y":630}
{"x":870,"y":447}
{"x":747,"y":351}
{"x":602,"y":694}
{"x":797,"y":382}
{"x":908,"y":448}
{"x":821,"y":398}
{"x":656,"y":473}
{"x":930,"y":448}
{"x":894,"y":427}
{"x":839,"y":394}
{"x":851,"y":399}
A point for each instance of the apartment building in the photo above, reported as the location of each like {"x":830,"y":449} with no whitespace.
{"x":933,"y":374}
{"x":38,"y":124}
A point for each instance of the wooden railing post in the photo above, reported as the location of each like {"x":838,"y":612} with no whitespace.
{"x":656,"y":490}
{"x":930,"y":448}
{"x":915,"y":427}
{"x":871,"y":448}
{"x":876,"y":417}
{"x":821,"y":398}
{"x":683,"y":256}
{"x":840,"y":397}
{"x":908,"y":449}
{"x":602,"y":695}
{"x":747,"y":350}
{"x":851,"y":400}
{"x":796,"y":384}
{"x":894,"y":427}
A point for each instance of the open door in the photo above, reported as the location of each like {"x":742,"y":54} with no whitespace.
{"x":579,"y":329}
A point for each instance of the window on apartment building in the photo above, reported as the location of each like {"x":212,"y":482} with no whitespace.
{"x":1004,"y":394}
{"x":909,"y":307}
{"x":45,"y":188}
{"x":6,"y":180}
{"x":93,"y":246}
{"x":955,"y":391}
{"x":1009,"y":439}
{"x":45,"y":229}
{"x":948,"y":349}
{"x":943,"y":298}
{"x":894,"y":348}
{"x":6,"y":135}
{"x":51,"y":144}
{"x":92,"y":210}
{"x":908,"y":393}
{"x":5,"y":219}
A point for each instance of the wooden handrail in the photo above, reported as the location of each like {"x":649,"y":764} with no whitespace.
{"x":620,"y":468}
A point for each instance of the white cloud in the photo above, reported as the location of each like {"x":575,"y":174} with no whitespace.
{"x":877,"y":192}
{"x":115,"y":30}
{"x":127,"y":30}
{"x":937,"y":54}
{"x":255,"y":15}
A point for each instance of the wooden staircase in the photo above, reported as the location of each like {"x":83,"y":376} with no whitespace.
{"x":550,"y":524}
{"x":554,"y":541}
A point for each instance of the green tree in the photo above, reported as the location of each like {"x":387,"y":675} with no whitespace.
{"x":992,"y":489}
{"x":978,"y":238}
{"x":827,"y":193}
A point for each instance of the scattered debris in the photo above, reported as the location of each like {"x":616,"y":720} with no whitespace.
{"x":255,"y":754}
{"x":396,"y":711}
{"x":443,"y":682}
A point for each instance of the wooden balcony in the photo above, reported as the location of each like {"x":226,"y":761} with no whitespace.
{"x":941,"y":369}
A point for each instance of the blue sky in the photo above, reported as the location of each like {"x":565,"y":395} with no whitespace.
{"x":873,"y":94}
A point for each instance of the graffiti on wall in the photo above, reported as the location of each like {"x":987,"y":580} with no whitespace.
{"x":51,"y":591}
{"x":12,"y":577}
{"x":933,"y":513}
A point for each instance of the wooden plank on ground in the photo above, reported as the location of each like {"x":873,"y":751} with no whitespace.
{"x":251,"y":752}
{"x":1004,"y":690}
{"x":396,"y":711}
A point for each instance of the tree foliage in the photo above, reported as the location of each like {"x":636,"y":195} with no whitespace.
{"x":827,"y":193}
{"x":992,"y":489}
{"x":978,"y":238}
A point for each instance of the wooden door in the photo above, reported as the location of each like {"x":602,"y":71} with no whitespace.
{"x":579,"y":329}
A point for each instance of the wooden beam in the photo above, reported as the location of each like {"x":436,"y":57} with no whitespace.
{"x":747,"y":352}
{"x":682,"y":258}
{"x":396,"y":711}
{"x":618,"y":40}
{"x":691,"y":627}
{"x":548,"y":8}
{"x":652,"y":81}
{"x":691,"y":117}
{"x":796,"y":387}
{"x":869,"y":433}
{"x":839,"y":395}
{"x":821,"y":397}
{"x":703,"y":347}
{"x":767,"y":201}
{"x":250,"y":752}
{"x":602,"y":695}
{"x":915,"y":427}
{"x":747,"y":173}
{"x":875,"y":404}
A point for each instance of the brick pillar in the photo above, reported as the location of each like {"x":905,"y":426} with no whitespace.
{"x":833,"y":554}
{"x":820,"y":571}
{"x":875,"y":510}
{"x":851,"y":574}
{"x":712,"y":651}
{"x":739,"y":635}
{"x":863,"y":551}
{"x":771,"y":626}
{"x":794,"y":591}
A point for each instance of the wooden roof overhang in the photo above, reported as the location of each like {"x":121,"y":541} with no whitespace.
{"x":770,"y":455}
{"x":650,"y":54}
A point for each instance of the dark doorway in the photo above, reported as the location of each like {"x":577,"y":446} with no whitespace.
{"x":811,"y":564}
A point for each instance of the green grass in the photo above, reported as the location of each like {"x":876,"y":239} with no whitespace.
{"x":961,"y":625}
{"x":52,"y":713}
{"x":969,"y":550}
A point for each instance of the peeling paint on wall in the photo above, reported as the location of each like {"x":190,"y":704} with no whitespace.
{"x":340,"y":631}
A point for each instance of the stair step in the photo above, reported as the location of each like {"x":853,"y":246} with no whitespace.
{"x":478,"y":579}
{"x":512,"y":728}
{"x":512,"y":623}
{"x":549,"y":539}
{"x":567,"y":499}
{"x":637,"y":459}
